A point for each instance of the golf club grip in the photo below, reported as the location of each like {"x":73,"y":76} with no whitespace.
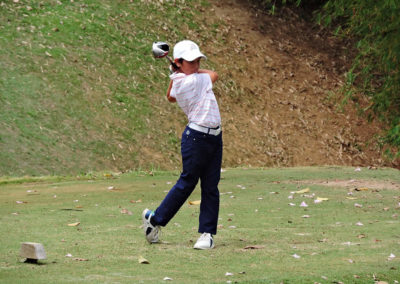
{"x":174,"y":65}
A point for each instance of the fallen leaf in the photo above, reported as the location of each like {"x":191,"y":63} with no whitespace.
{"x":126,"y":211}
{"x":322,"y":198}
{"x":81,"y":259}
{"x":68,"y":255}
{"x":358,"y":205}
{"x":296,"y":256}
{"x":167,"y":279}
{"x":305,"y":190}
{"x":361,"y":236}
{"x":142,"y":260}
{"x":361,"y":189}
{"x":197,"y":202}
{"x":228,"y":274}
{"x":74,"y":224}
{"x":305,"y":216}
{"x":351,"y":198}
{"x":359,"y":224}
{"x":21,"y":202}
{"x":254,"y":247}
{"x":303,"y":204}
{"x":391,"y":256}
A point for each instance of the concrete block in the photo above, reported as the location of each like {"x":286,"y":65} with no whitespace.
{"x":32,"y":251}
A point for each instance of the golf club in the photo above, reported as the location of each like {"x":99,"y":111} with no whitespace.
{"x":160,"y":50}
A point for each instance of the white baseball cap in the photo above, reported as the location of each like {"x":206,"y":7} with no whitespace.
{"x":187,"y":50}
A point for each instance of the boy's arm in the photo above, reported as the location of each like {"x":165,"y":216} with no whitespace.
{"x":213,"y":74}
{"x":170,"y":99}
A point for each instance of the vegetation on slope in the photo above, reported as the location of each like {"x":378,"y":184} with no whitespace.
{"x":76,"y":81}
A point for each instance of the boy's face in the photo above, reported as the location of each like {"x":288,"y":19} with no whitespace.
{"x":190,"y":67}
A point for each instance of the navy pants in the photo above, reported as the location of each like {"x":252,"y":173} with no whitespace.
{"x":201,"y":159}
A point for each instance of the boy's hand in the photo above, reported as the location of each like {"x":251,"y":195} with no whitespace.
{"x":173,"y":67}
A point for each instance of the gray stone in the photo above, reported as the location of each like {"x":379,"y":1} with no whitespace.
{"x":32,"y":251}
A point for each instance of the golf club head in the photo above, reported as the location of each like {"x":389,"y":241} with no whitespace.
{"x":160,"y":49}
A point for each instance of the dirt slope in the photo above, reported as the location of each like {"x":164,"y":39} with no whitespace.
{"x":286,"y":69}
{"x":276,"y":74}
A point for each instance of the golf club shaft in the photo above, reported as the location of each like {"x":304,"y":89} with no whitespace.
{"x":172,"y":63}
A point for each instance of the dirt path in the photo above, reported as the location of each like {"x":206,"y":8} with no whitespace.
{"x":285,"y":69}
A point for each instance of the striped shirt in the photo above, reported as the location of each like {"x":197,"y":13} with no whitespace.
{"x":195,"y":96}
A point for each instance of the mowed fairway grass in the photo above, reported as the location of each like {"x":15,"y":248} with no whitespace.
{"x":263,"y":237}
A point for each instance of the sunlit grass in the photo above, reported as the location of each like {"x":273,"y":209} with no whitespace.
{"x":261,"y":238}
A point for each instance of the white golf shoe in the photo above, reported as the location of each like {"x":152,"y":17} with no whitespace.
{"x":205,"y":242}
{"x":151,"y":232}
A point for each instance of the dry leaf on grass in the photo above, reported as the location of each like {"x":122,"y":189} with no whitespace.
{"x":74,"y":224}
{"x":303,"y":204}
{"x":322,"y":198}
{"x":196,"y":202}
{"x":361,"y":189}
{"x":142,"y":260}
{"x":81,"y":259}
{"x":305,"y":190}
{"x":126,"y":211}
{"x":167,"y":279}
{"x":254,"y":247}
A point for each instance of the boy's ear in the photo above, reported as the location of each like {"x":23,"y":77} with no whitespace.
{"x":176,"y":61}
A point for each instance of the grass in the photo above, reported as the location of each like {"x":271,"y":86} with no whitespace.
{"x":78,"y":82}
{"x":107,"y":244}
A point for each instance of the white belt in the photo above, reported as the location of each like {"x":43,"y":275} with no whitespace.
{"x":213,"y":131}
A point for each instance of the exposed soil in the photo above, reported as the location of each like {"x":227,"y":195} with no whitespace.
{"x":276,"y":76}
{"x":354,"y":184}
{"x":286,"y":67}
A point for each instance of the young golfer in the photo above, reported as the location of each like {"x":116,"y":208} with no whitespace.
{"x":201,"y":146}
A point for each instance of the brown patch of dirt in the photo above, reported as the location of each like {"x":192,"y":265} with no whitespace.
{"x":275,"y":76}
{"x":353,"y":184}
{"x":285,"y":68}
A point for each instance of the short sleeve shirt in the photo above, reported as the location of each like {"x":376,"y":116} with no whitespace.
{"x":195,"y":96}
